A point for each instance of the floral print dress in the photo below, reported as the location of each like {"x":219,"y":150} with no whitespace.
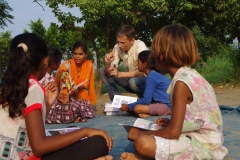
{"x":202,"y":128}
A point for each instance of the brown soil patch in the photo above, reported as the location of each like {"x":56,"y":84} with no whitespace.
{"x":228,"y":95}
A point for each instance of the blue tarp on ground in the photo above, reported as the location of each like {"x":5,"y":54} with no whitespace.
{"x":231,"y":131}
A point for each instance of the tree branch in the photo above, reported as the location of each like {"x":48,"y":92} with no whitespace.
{"x":39,"y":4}
{"x":233,"y":26}
{"x":89,"y":37}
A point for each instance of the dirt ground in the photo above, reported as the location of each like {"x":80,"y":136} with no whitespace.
{"x":226,"y":95}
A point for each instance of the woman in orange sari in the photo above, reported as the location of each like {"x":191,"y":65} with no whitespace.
{"x":76,"y":71}
{"x":75,"y":79}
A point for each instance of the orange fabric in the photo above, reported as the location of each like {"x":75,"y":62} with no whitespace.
{"x":86,"y":72}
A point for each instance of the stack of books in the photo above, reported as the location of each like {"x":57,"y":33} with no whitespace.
{"x":111,"y":111}
{"x":113,"y":108}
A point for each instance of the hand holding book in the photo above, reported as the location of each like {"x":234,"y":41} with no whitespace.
{"x":124,"y":107}
{"x":77,"y":86}
{"x":142,"y":124}
{"x":138,"y":126}
{"x":162,"y":121}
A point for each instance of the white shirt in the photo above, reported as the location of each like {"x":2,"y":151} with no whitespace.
{"x":129,"y":58}
{"x":13,"y":133}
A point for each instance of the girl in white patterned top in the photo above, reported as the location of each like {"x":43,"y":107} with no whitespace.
{"x":24,"y":104}
{"x":195,"y":128}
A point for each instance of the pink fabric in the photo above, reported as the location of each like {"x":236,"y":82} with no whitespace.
{"x":159,"y":109}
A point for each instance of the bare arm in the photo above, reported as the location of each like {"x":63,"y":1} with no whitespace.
{"x":109,"y":57}
{"x":41,"y":144}
{"x":58,"y":74}
{"x":181,"y":97}
{"x":114,"y":72}
{"x":130,"y":74}
{"x":51,"y":95}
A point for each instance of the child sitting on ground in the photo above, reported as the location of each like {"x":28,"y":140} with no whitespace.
{"x":63,"y":110}
{"x":155,"y":100}
{"x":55,"y":57}
{"x":195,"y":128}
{"x":24,"y":104}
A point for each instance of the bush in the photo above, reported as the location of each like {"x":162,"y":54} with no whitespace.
{"x":218,"y":69}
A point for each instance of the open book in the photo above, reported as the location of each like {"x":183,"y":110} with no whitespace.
{"x":51,"y":132}
{"x":118,"y":100}
{"x":142,"y":124}
{"x":112,"y":108}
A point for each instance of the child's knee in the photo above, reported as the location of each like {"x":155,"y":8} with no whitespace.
{"x":145,"y":145}
{"x":141,"y":144}
{"x":137,"y":84}
{"x":132,"y":84}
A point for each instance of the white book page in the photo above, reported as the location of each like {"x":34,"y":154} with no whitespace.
{"x":142,"y":124}
{"x":146,"y":124}
{"x":50,"y":132}
{"x":118,"y":100}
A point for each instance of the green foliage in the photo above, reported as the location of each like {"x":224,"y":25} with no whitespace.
{"x":4,"y":13}
{"x":121,"y":67}
{"x":218,"y":69}
{"x":38,"y":28}
{"x":209,"y":46}
{"x":99,"y":20}
{"x":56,"y":38}
{"x":5,"y":39}
{"x":217,"y":63}
{"x":63,"y":40}
{"x":235,"y":57}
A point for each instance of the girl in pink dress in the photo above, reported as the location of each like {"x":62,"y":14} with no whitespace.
{"x":195,"y":128}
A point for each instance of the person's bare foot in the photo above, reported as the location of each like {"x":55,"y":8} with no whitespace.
{"x":144,"y":115}
{"x":131,"y":156}
{"x":107,"y":157}
{"x":77,"y":120}
{"x":127,"y":156}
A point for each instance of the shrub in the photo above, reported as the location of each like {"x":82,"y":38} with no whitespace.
{"x":218,"y":69}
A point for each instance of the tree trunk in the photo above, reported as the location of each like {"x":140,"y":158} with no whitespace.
{"x":98,"y":84}
{"x":99,"y":79}
{"x":1,"y":62}
{"x":107,"y":32}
